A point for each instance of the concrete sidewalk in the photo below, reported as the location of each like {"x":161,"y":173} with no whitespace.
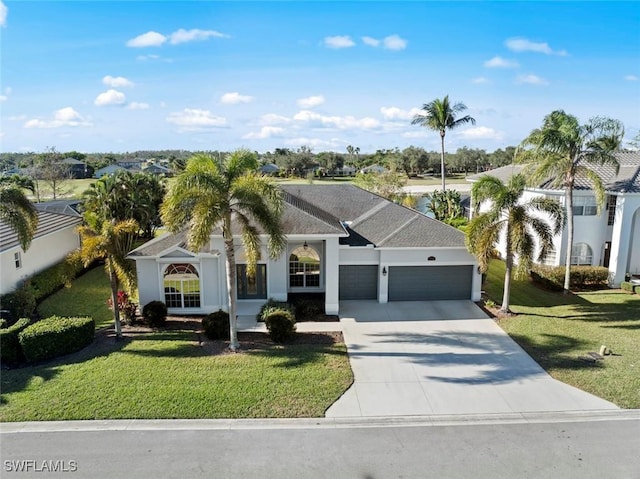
{"x":443,"y":357}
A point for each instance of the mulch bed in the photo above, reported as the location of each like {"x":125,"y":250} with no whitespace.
{"x":249,"y":340}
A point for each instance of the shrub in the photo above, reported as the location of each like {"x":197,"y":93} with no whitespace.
{"x":627,"y":286}
{"x":10,"y":350}
{"x":552,"y":277}
{"x":281,"y":325}
{"x":272,"y":305}
{"x":56,"y":336}
{"x":3,"y":323}
{"x":126,"y":307}
{"x":155,"y":313}
{"x":20,"y":303}
{"x":54,"y":278}
{"x":216,"y":325}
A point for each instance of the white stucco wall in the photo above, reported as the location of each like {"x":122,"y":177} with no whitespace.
{"x":45,"y":251}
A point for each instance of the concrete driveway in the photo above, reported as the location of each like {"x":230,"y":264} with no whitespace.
{"x":443,"y":357}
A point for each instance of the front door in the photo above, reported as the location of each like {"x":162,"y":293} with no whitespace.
{"x":252,"y":286}
{"x":607,"y":254}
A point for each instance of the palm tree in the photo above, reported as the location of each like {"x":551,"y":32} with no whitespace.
{"x":19,"y":213}
{"x":440,"y":115}
{"x":517,"y":221}
{"x":110,"y":241}
{"x":226,"y":192}
{"x":562,"y":150}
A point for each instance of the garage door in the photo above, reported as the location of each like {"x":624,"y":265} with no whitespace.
{"x":424,"y":283}
{"x":358,"y":282}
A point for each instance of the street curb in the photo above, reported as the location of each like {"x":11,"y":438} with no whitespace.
{"x":319,"y":423}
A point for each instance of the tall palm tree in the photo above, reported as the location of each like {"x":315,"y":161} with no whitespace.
{"x":441,"y":115}
{"x":111,"y":241}
{"x":562,"y":150}
{"x":19,"y":213}
{"x":214,"y":192}
{"x":520,"y":224}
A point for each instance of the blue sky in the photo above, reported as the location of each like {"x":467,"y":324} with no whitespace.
{"x":101,"y":76}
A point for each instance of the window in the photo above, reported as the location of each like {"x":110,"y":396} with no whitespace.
{"x":252,"y":286}
{"x":304,"y":268}
{"x":581,"y":254}
{"x":611,"y":209}
{"x":550,"y":258}
{"x":181,"y":286}
{"x":17,"y":258}
{"x":584,"y":206}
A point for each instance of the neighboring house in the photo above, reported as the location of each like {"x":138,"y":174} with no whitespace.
{"x":611,"y":239}
{"x":373,"y":169}
{"x":77,"y":168}
{"x":270,"y":169}
{"x":65,"y":207}
{"x":55,"y":238}
{"x":343,"y":242}
{"x":157,"y":170}
{"x":108,"y":170}
{"x":131,"y":164}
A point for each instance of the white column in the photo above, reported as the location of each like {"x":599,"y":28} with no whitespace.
{"x":332,"y":271}
{"x":621,"y":239}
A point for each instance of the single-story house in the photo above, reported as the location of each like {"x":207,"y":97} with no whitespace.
{"x":107,"y":170}
{"x":269,"y":169}
{"x":374,"y":169}
{"x":55,"y":238}
{"x":65,"y":207}
{"x":342,"y":242}
{"x":155,"y":169}
{"x":611,"y":239}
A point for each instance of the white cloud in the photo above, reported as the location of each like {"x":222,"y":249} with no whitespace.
{"x":234,"y":98}
{"x":480,"y":80}
{"x":116,"y":82}
{"x":110,"y":97}
{"x":147,"y":57}
{"x":62,"y":117}
{"x":149,"y":39}
{"x":265,"y":132}
{"x":395,"y":113}
{"x":273,"y":119}
{"x":315,"y":120}
{"x":481,"y":133}
{"x":310,"y":101}
{"x":394,"y":42}
{"x":194,"y":35}
{"x":340,"y":41}
{"x":524,"y":45}
{"x":191,"y":119}
{"x":631,"y":78}
{"x":499,"y":62}
{"x":311,"y":142}
{"x":531,"y":80}
{"x":134,"y":105}
{"x":372,"y":42}
{"x":4,"y":97}
{"x":3,"y":14}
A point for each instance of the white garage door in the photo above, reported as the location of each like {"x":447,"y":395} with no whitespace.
{"x":425,"y":283}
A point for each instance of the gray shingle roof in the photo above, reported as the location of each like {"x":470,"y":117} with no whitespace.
{"x":358,"y":216}
{"x":47,"y":223}
{"x":627,"y":180}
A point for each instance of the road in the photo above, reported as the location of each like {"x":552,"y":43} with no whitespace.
{"x":578,"y":447}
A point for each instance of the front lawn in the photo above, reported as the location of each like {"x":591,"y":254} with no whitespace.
{"x":169,"y":373}
{"x":559,"y":330}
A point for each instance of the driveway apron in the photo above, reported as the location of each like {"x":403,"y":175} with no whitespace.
{"x":443,"y":357}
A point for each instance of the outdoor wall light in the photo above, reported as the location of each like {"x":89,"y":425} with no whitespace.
{"x":305,"y":246}
{"x":431,"y":258}
{"x":384,"y":271}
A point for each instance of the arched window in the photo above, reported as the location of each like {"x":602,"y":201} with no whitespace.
{"x":581,"y":254}
{"x":304,"y":268}
{"x":181,"y":286}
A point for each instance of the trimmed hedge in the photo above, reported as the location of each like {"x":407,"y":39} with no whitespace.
{"x":272,"y":305}
{"x":216,"y":325}
{"x":552,"y":277}
{"x":21,"y":303}
{"x":155,"y":313}
{"x":630,"y":287}
{"x":10,"y":350}
{"x":56,"y":336}
{"x":281,"y":325}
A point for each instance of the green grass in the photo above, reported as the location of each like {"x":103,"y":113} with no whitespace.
{"x":87,"y":297}
{"x":557,"y":330}
{"x":168,"y":375}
